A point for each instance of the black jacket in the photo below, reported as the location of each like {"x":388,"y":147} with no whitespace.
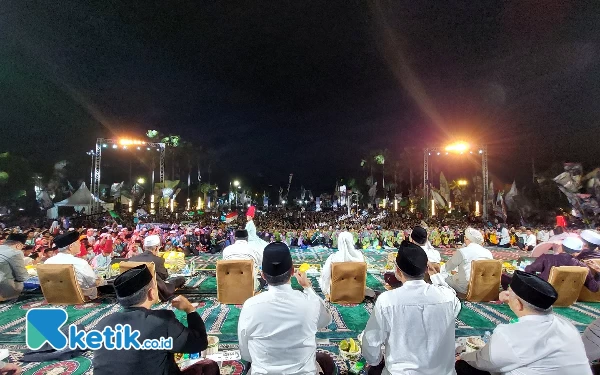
{"x":152,"y":324}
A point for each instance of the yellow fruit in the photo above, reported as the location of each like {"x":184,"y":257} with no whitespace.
{"x":353,"y":347}
{"x":344,"y":345}
{"x":304,"y":267}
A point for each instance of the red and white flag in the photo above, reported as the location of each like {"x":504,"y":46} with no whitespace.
{"x":232,"y":216}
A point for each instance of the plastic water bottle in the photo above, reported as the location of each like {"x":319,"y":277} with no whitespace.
{"x":195,"y":356}
{"x":487,"y":337}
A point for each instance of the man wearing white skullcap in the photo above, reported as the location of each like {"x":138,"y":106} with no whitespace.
{"x":462,"y":259}
{"x":591,"y":241}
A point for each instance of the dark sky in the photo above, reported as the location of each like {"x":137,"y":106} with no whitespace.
{"x":303,"y":87}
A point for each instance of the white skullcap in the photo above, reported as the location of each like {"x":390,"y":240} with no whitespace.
{"x":591,"y":236}
{"x":151,"y":241}
{"x":474,"y":235}
{"x":572,"y":243}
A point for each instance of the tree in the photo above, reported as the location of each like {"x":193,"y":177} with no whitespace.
{"x":16,"y":181}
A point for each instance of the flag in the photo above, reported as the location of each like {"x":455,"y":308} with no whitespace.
{"x":444,"y":188}
{"x":232,"y":216}
{"x":439,"y":199}
{"x":114,"y":215}
{"x":509,"y":199}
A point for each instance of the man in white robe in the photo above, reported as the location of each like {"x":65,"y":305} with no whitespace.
{"x":539,"y":343}
{"x":277,"y":328}
{"x":69,"y":246}
{"x":462,"y":259}
{"x":241,"y":250}
{"x":415,"y":322}
{"x":253,"y":240}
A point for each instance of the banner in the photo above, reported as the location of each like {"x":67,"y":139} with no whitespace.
{"x":232,"y":216}
{"x":444,"y":187}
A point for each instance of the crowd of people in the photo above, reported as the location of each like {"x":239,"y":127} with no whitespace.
{"x":414,"y":322}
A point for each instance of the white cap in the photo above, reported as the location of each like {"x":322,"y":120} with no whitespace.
{"x":474,"y":235}
{"x":153,"y":240}
{"x":573,"y":243}
{"x":591,"y":236}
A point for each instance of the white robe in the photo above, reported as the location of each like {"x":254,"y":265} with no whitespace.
{"x":416,"y":323}
{"x":346,"y":253}
{"x":85,"y":275}
{"x":253,"y":240}
{"x":535,"y":345}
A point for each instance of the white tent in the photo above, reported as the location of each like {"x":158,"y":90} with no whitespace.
{"x":81,"y":199}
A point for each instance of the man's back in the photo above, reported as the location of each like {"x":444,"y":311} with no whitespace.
{"x":152,"y":324}
{"x":159,"y":263}
{"x":277,"y":330}
{"x":416,"y":324}
{"x":539,"y":344}
{"x":544,"y":263}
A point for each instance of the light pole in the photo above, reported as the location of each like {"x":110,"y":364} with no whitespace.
{"x":236,"y":184}
{"x":91,"y":153}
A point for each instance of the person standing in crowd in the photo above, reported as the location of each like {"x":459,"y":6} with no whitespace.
{"x":503,"y":236}
{"x":68,"y":247}
{"x":538,"y":343}
{"x":277,"y":328}
{"x":415,"y":322}
{"x":240,"y":250}
{"x":591,"y":241}
{"x":462,"y":259}
{"x":135,"y":292}
{"x":166,"y":286}
{"x":253,"y":239}
{"x":12,"y":267}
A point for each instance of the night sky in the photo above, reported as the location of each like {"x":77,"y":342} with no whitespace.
{"x":303,"y":87}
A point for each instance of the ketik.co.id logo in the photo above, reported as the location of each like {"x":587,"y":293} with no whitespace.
{"x":44,"y":326}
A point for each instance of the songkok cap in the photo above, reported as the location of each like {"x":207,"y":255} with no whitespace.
{"x":132,"y":280}
{"x":591,"y":236}
{"x":533,"y":289}
{"x":419,"y":235}
{"x":17,"y":237}
{"x":277,"y":259}
{"x":251,"y":211}
{"x":64,"y":240}
{"x":474,"y":235}
{"x":572,"y":245}
{"x":241,"y":233}
{"x":411,"y":259}
{"x":153,"y":240}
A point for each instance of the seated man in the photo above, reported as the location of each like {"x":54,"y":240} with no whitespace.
{"x":277,"y":328}
{"x":462,"y":259}
{"x":68,"y":247}
{"x":241,"y":250}
{"x":565,"y":255}
{"x":12,"y":267}
{"x":166,"y":286}
{"x":538,"y":343}
{"x":135,"y":292}
{"x":591,"y":241}
{"x":419,"y":237}
{"x":591,"y":342}
{"x":529,"y":240}
{"x":415,"y":322}
{"x":102,"y":260}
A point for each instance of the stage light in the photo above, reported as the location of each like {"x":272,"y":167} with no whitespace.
{"x":130,"y":205}
{"x":148,"y":148}
{"x":105,"y":145}
{"x":462,"y":182}
{"x":457,"y":147}
{"x":438,"y":154}
{"x":188,"y":204}
{"x":172,"y":204}
{"x":124,"y":147}
{"x":433,"y":207}
{"x":430,"y":153}
{"x":199,"y":205}
{"x":158,"y":149}
{"x":236,"y":183}
{"x":141,"y":180}
{"x":138,"y":147}
{"x":481,"y":151}
{"x":477,"y":208}
{"x":470,"y":152}
{"x":114,"y":146}
{"x":127,"y":142}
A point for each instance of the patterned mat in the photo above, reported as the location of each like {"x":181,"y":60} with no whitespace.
{"x":221,"y":320}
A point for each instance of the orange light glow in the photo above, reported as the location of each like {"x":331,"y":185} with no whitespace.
{"x":126,"y":142}
{"x":458,"y":147}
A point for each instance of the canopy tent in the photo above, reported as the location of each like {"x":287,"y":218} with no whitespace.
{"x":81,"y":199}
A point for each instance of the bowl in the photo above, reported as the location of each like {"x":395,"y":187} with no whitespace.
{"x":348,"y":356}
{"x":474,"y":343}
{"x":213,"y":346}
